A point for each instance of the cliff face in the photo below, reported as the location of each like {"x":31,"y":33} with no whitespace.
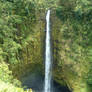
{"x":32,"y":52}
{"x":68,"y":53}
{"x":70,"y":57}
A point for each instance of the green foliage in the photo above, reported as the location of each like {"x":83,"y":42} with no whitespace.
{"x":5,"y":74}
{"x":79,"y":8}
{"x":1,"y":55}
{"x":11,"y":48}
{"x":14,"y":16}
{"x":17,"y":20}
{"x":7,"y":82}
{"x":75,"y":40}
{"x":7,"y":87}
{"x":83,"y":6}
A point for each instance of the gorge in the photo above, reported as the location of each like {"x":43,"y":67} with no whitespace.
{"x":45,"y":46}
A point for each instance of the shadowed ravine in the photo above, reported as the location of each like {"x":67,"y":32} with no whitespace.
{"x":35,"y":81}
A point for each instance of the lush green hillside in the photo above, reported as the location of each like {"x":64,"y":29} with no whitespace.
{"x":72,"y":43}
{"x":20,"y":38}
{"x":22,"y":25}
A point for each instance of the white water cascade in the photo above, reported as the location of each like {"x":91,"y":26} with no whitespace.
{"x":48,"y":56}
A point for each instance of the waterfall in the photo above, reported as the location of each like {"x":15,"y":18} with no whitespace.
{"x":48,"y":56}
